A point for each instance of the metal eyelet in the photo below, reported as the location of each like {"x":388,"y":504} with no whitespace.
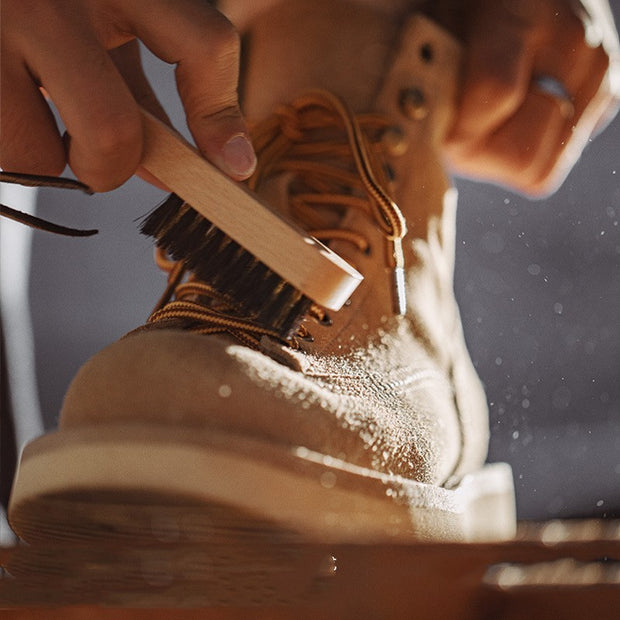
{"x":412,"y":103}
{"x":394,"y":141}
{"x":326,"y":320}
{"x":427,"y":52}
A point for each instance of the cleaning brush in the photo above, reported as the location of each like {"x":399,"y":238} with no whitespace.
{"x":270,"y":269}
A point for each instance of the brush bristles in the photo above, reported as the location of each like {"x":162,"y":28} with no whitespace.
{"x":257,"y":292}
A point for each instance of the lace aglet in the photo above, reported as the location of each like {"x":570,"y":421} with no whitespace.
{"x":399,"y":296}
{"x":398,"y":291}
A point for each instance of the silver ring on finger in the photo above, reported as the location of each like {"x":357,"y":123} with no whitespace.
{"x":554,"y":88}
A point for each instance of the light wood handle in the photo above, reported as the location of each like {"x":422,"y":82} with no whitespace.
{"x":285,"y":248}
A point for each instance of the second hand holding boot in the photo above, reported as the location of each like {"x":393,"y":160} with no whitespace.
{"x":368,"y":425}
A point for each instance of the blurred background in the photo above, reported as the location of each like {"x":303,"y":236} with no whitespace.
{"x":538,"y":284}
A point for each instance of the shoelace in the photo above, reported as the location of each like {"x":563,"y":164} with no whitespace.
{"x":289,"y":143}
{"x":34,"y":180}
{"x":200,"y":308}
{"x":332,"y":155}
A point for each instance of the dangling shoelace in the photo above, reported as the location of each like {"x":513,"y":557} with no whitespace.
{"x":332,"y":156}
{"x":35,"y":180}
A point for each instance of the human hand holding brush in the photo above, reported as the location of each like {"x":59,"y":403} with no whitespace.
{"x":538,"y":79}
{"x":62,"y":48}
{"x":531,"y":91}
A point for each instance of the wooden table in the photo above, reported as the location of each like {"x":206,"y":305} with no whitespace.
{"x":559,"y":569}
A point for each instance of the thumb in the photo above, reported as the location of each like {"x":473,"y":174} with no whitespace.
{"x":207,"y":83}
{"x":205,"y":48}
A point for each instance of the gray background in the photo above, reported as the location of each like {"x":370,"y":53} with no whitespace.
{"x":539,"y":289}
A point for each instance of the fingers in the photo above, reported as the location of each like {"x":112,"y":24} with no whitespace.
{"x":575,"y":121}
{"x":127,"y":60}
{"x":104,"y":133}
{"x":30,"y":140}
{"x":497,"y":72}
{"x":205,"y":48}
{"x":57,"y":48}
{"x":61,"y":46}
{"x":510,"y":131}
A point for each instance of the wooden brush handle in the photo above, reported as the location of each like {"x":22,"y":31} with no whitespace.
{"x":286,"y":249}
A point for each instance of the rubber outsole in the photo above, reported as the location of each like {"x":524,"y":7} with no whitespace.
{"x":164,"y":484}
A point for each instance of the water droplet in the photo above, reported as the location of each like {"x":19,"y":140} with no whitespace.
{"x":505,"y":575}
{"x":515,"y":435}
{"x":328,"y":480}
{"x":302,"y":453}
{"x":558,"y":308}
{"x":554,"y":532}
{"x":328,"y":566}
{"x":533,"y":269}
{"x":224,"y":390}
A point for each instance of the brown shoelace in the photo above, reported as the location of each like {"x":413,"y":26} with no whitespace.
{"x":34,"y":180}
{"x":333,"y":157}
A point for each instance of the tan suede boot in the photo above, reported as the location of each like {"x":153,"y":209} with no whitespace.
{"x":377,"y":428}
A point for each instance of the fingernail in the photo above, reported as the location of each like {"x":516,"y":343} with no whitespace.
{"x":239,"y":156}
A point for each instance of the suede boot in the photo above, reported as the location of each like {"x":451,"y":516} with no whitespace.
{"x":369,"y":423}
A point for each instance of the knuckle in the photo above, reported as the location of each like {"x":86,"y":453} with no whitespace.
{"x":110,"y":153}
{"x":115,"y":133}
{"x":498,"y":91}
{"x":223,"y":36}
{"x":210,"y":38}
{"x":217,"y":112}
{"x":500,"y":87}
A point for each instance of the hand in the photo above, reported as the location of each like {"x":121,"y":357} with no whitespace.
{"x":508,"y":129}
{"x":59,"y":50}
